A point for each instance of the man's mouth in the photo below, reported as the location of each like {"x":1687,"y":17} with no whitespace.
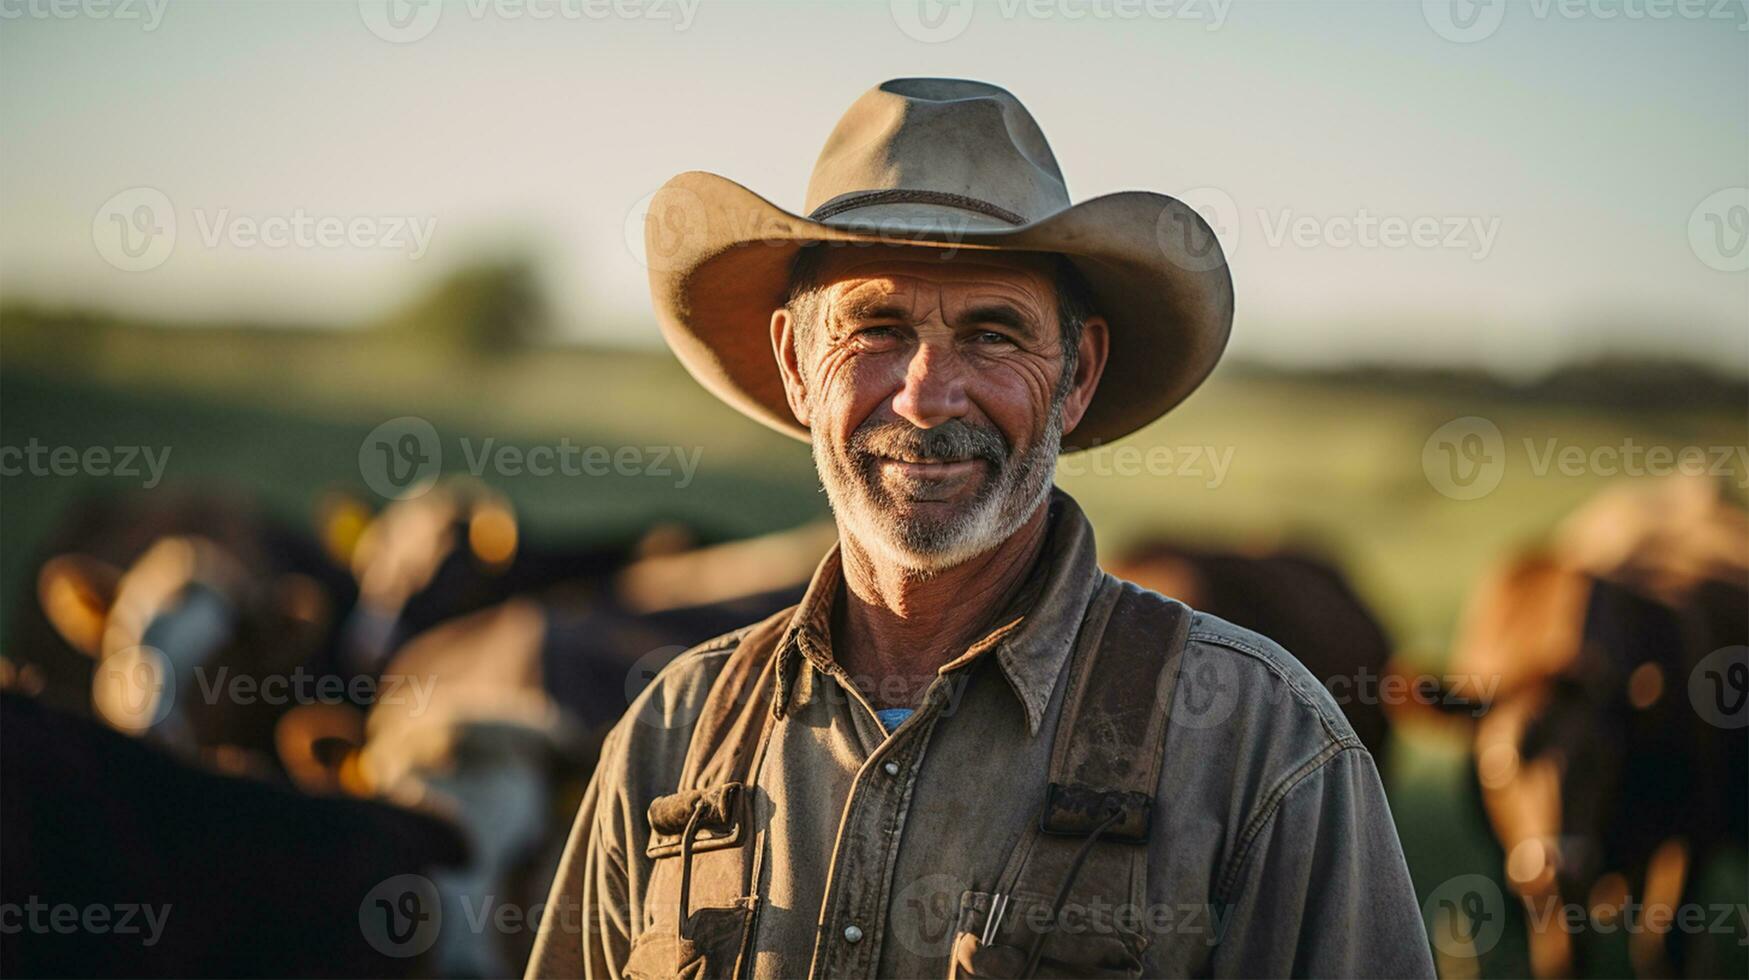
{"x":928,"y":469}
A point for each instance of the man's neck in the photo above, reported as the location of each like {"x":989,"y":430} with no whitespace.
{"x":895,"y":628}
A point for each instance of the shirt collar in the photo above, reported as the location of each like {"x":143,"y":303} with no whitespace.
{"x":1032,"y":637}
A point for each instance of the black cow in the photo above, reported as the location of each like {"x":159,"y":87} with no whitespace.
{"x":120,"y":860}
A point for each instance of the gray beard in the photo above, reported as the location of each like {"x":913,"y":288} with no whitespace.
{"x":865,"y":509}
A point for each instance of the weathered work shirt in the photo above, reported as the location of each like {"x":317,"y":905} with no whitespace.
{"x":1271,"y":850}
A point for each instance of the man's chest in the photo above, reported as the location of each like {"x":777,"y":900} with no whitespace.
{"x":870,"y":841}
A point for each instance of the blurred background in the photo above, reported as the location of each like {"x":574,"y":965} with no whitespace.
{"x":326,"y":369}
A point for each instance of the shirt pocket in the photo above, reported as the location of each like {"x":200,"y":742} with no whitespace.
{"x":714,"y":945}
{"x":1094,"y":946}
{"x":697,"y":925}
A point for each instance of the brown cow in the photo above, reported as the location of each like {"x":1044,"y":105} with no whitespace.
{"x":1611,"y":759}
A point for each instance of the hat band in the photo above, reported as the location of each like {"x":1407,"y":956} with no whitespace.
{"x":899,"y":195}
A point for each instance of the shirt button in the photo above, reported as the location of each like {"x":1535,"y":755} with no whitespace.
{"x":852,"y":934}
{"x":892,"y":768}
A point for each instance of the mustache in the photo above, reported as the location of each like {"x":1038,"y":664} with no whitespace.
{"x":954,"y":439}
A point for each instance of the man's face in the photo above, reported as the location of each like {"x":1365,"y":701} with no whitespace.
{"x":936,"y":394}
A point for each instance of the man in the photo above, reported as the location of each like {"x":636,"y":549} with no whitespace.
{"x":968,"y":751}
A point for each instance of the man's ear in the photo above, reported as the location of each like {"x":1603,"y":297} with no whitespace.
{"x":1089,"y":367}
{"x":783,"y":345}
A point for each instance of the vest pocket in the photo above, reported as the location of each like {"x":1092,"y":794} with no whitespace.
{"x":713,"y":945}
{"x":1077,"y":946}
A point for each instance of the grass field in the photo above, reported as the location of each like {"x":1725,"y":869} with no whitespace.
{"x":1256,"y":458}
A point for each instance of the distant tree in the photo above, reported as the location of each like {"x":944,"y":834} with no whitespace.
{"x":489,"y":309}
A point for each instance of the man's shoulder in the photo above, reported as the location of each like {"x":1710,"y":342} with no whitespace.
{"x":671,"y":702}
{"x":1247,"y":710}
{"x":1271,"y":686}
{"x":651,"y":739}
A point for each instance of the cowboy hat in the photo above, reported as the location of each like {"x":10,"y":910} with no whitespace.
{"x":947,"y":163}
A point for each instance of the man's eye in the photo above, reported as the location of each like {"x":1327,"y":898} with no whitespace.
{"x":876,"y":336}
{"x":991,"y":337}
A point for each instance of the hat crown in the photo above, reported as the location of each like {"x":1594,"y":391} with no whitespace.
{"x":942,"y":137}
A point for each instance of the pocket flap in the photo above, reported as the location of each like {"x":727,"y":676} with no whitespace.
{"x":720,"y":823}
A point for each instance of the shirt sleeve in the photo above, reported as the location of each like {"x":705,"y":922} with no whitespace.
{"x":1322,"y":889}
{"x":586,"y":928}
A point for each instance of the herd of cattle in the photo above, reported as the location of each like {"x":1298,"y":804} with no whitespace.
{"x":265,"y":741}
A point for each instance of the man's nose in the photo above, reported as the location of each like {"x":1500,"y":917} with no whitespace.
{"x":934,"y":390}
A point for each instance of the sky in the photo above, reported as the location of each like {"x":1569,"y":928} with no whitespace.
{"x":1504,"y":183}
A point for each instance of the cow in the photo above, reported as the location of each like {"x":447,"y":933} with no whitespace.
{"x":122,"y":860}
{"x":458,"y":548}
{"x":148,"y":608}
{"x":188,"y":618}
{"x":1610,"y":757}
{"x":521,"y":693}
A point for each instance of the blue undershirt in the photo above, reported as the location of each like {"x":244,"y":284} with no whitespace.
{"x":892,"y":718}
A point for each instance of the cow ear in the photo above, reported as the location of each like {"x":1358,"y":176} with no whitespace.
{"x":76,"y":592}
